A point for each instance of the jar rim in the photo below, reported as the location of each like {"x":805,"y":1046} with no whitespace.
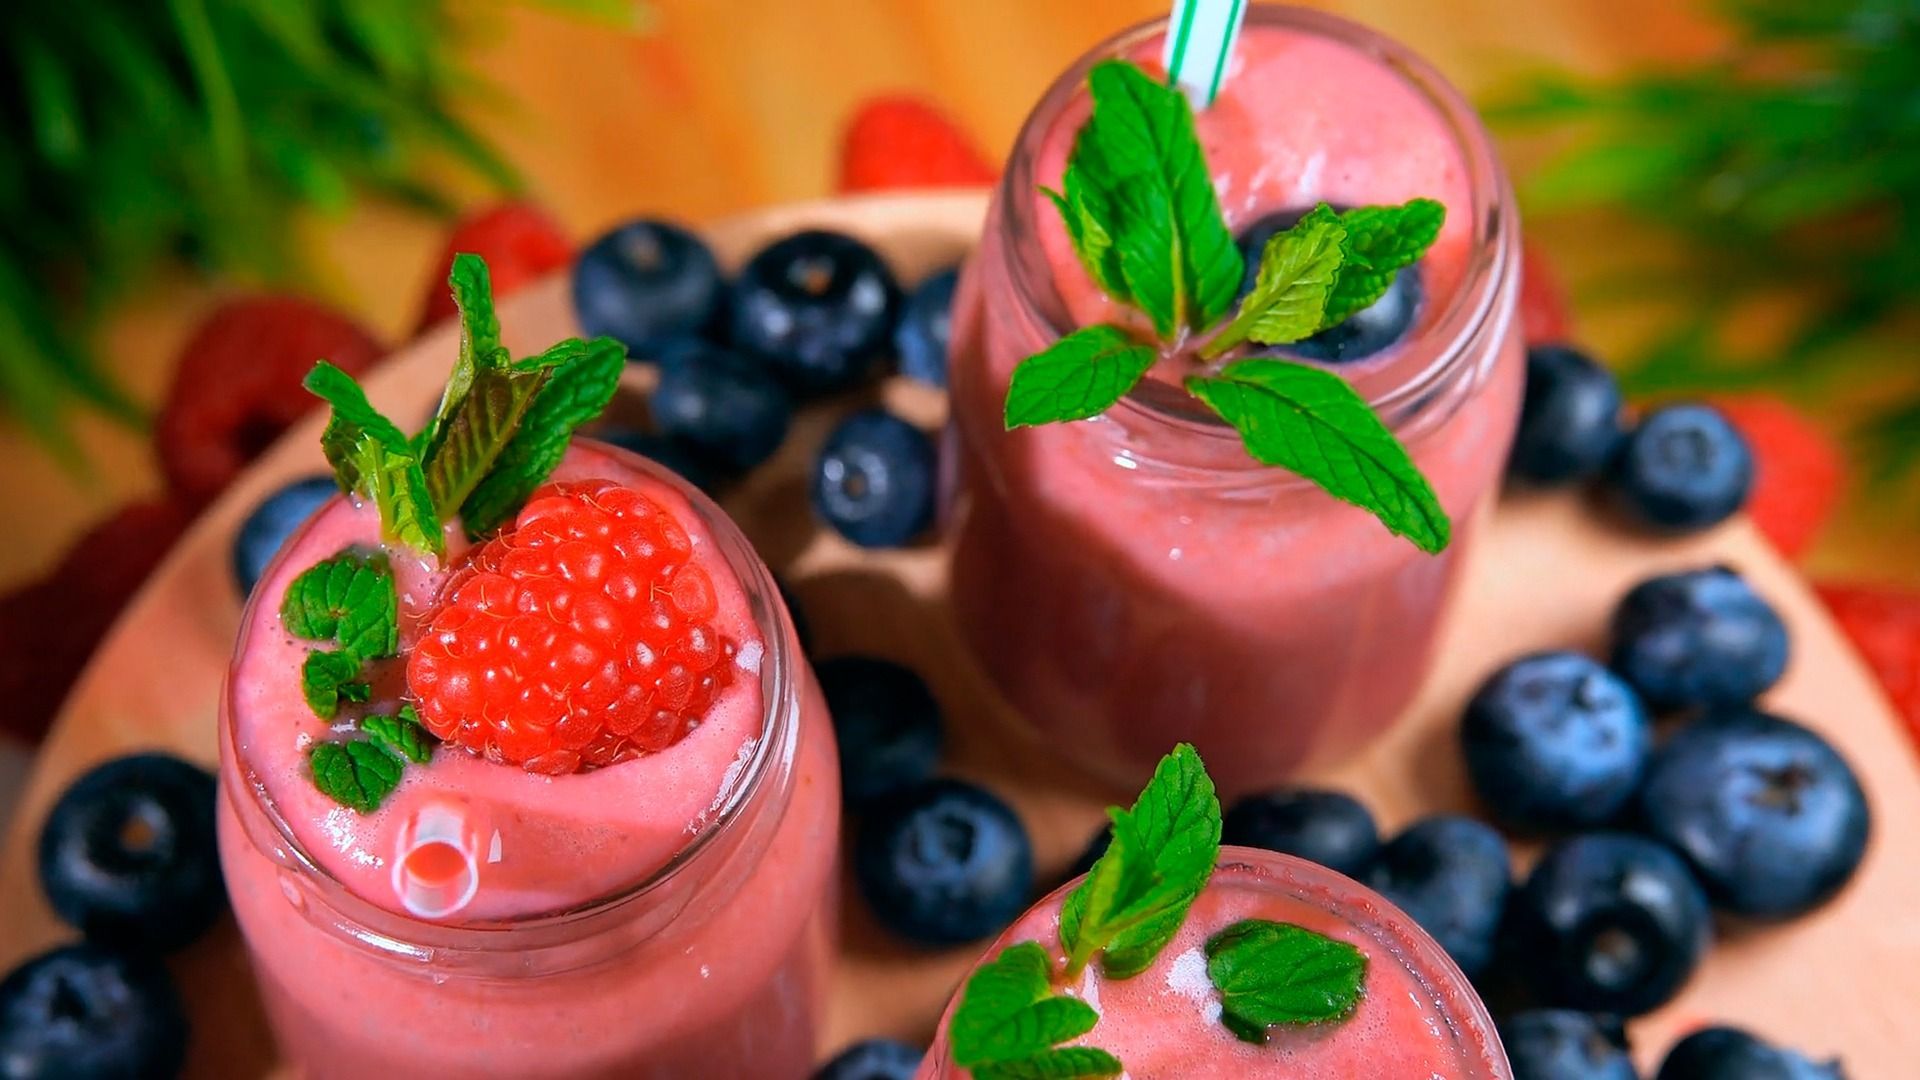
{"x":1441,"y":350}
{"x":403,"y":935}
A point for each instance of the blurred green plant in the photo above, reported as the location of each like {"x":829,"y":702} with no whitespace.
{"x":137,"y":132}
{"x":1790,"y":162}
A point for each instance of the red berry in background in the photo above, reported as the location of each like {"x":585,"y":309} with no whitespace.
{"x":1884,"y":624}
{"x":580,"y":636}
{"x":237,"y":385}
{"x":897,"y":142}
{"x":1545,"y":317}
{"x":48,"y":629}
{"x":1800,"y":472}
{"x":520,"y":242}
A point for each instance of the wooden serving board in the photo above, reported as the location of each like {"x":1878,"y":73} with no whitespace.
{"x":1546,"y":573}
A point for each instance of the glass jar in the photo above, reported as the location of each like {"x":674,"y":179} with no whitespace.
{"x":1136,"y":579}
{"x":714,"y":963}
{"x":1418,"y":1015}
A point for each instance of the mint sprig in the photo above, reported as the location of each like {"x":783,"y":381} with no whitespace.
{"x":328,"y":678}
{"x":1271,"y":973}
{"x":372,"y":459}
{"x":1081,"y":375}
{"x":580,"y":379}
{"x":1138,"y":892}
{"x":1312,"y":422}
{"x":1009,"y":1023}
{"x":349,"y":600}
{"x":1139,"y":208}
{"x":356,"y":773}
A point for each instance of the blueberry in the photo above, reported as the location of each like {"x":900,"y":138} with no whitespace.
{"x":886,"y":722}
{"x":1560,"y":1044}
{"x":81,"y":1012}
{"x":1728,"y":1053}
{"x":873,"y":1059}
{"x":1554,"y":740}
{"x":925,"y":324}
{"x":1609,"y":922}
{"x":1451,"y":874}
{"x":1570,"y":421}
{"x":1698,"y":638}
{"x":730,"y":407}
{"x":1362,"y":334}
{"x":802,"y":627}
{"x":272,"y":522}
{"x":1326,"y":827}
{"x":943,"y":863}
{"x":680,"y":457}
{"x":874,"y":480}
{"x":1769,"y":816}
{"x":646,"y":284}
{"x":127,"y":854}
{"x":818,"y":307}
{"x":1097,"y":845}
{"x":1683,"y":468}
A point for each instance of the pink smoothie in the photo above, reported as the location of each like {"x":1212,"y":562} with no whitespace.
{"x":1417,"y":1018}
{"x":1135,"y":580}
{"x":659,"y":917}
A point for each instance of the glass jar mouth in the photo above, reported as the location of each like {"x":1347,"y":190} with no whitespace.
{"x":407,"y":937}
{"x":1422,"y":366}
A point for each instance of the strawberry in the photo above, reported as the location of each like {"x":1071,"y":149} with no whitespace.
{"x":580,"y":636}
{"x":520,"y":242}
{"x":904,"y":142}
{"x":48,"y":629}
{"x":1544,"y":316}
{"x":237,"y":385}
{"x":1800,"y":471}
{"x":1884,"y":624}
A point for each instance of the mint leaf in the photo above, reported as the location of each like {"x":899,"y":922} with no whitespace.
{"x":1276,"y":973}
{"x":1288,"y":301}
{"x":1137,"y":894}
{"x":1083,"y":209}
{"x":355,"y":773}
{"x":1064,"y":1063}
{"x":480,"y":348}
{"x":327,"y":678}
{"x":350,"y":600}
{"x":581,"y":379}
{"x":1008,"y":1011}
{"x":1380,"y":241}
{"x":402,"y":734}
{"x":1079,"y":376}
{"x":1146,"y":184}
{"x":372,"y":458}
{"x":478,"y":429}
{"x":1313,"y":422}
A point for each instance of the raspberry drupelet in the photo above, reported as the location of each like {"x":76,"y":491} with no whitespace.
{"x":578,"y":637}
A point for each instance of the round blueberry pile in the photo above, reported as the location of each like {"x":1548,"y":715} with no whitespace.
{"x":126,"y":856}
{"x":1679,"y":468}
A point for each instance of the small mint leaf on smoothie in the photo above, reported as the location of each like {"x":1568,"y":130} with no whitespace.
{"x":1079,"y":376}
{"x":402,"y":734}
{"x":356,"y":773}
{"x":1312,"y":422}
{"x":1147,"y":183}
{"x":349,"y":600}
{"x":373,"y":459}
{"x":1380,"y":242}
{"x":1163,"y":850}
{"x":1009,"y":1019}
{"x":1272,"y":973}
{"x":1288,"y":301}
{"x":1063,"y":1063}
{"x":328,"y":678}
{"x":581,"y":377}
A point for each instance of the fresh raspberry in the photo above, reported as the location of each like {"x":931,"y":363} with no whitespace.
{"x":520,"y":242}
{"x":1884,"y":624}
{"x":904,"y":142}
{"x":1544,"y":315}
{"x":237,"y":385}
{"x":1800,"y":472}
{"x":581,"y":636}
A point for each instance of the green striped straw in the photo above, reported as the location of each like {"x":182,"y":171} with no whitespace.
{"x":1200,"y":36}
